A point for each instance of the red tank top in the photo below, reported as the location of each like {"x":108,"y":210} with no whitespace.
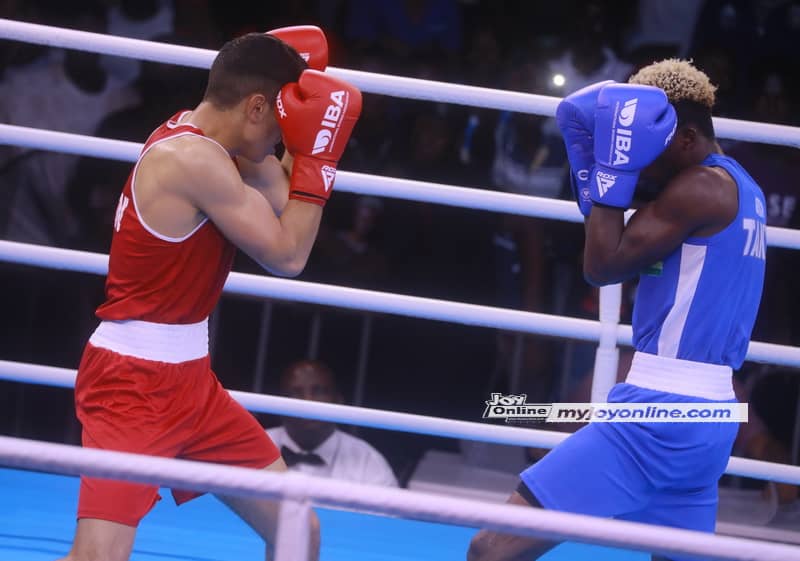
{"x":156,"y":278}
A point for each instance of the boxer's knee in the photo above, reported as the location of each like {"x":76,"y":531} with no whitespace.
{"x":493,"y":546}
{"x":479,"y":547}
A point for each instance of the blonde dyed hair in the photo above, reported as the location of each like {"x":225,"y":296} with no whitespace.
{"x":679,"y":79}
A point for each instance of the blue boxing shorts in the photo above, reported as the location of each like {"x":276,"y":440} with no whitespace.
{"x":657,"y":473}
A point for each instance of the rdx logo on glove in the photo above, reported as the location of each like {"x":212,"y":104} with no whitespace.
{"x":279,"y":105}
{"x":330,"y":120}
{"x":328,"y":176}
{"x":605,"y":181}
{"x":622,"y":136}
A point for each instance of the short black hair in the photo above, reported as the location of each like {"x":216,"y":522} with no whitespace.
{"x":697,"y":114}
{"x":252,"y":63}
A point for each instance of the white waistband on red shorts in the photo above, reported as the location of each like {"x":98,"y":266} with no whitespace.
{"x":685,"y":377}
{"x":153,"y":341}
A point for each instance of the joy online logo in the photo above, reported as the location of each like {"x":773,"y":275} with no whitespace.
{"x":330,"y":121}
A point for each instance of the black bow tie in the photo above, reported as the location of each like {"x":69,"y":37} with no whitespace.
{"x":292,"y":458}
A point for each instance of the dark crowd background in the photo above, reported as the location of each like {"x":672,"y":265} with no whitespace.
{"x":751,"y":50}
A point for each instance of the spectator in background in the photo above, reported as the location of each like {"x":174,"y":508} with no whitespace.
{"x":64,"y":91}
{"x":589,"y":56}
{"x":769,"y":433}
{"x":196,"y":24}
{"x":370,"y":146}
{"x":727,"y":33}
{"x":774,"y":403}
{"x":529,"y":155}
{"x":438,"y":243}
{"x":139,"y":19}
{"x":350,"y":256}
{"x":318,"y":447}
{"x":781,"y":30}
{"x":720,"y":66}
{"x":406,"y":29}
{"x":484,"y":63}
{"x":663,"y":29}
{"x":527,"y":160}
{"x":771,"y":165}
{"x":730,"y":24}
{"x":429,"y":152}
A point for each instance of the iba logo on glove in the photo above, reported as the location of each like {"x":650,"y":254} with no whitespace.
{"x":622,"y":136}
{"x":628,"y":112}
{"x":330,"y":121}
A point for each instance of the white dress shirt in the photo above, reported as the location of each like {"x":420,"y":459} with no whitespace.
{"x":346,"y":457}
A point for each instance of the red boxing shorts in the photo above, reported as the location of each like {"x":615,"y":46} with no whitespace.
{"x":175,"y":410}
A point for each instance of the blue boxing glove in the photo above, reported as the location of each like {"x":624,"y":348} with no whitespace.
{"x":575,"y":119}
{"x":633,"y":125}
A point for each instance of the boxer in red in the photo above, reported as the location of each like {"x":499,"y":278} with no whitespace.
{"x":205,"y":183}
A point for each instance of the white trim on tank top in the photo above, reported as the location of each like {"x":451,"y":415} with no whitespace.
{"x":144,"y":224}
{"x":177,"y":122}
{"x":693,"y":258}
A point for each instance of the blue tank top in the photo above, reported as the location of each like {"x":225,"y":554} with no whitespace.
{"x":701,"y":301}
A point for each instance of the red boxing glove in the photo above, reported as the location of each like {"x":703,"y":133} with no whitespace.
{"x":309,"y":41}
{"x":316,"y":115}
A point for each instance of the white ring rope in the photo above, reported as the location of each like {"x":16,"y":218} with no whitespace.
{"x":330,"y":295}
{"x":351,"y":182}
{"x":230,"y":480}
{"x":383,"y":302}
{"x":396,"y":86}
{"x":345,"y":414}
{"x":393,"y":420}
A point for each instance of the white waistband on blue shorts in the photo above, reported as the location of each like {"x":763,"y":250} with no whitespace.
{"x":153,"y":341}
{"x":685,"y":377}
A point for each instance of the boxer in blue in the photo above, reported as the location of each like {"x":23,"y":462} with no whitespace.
{"x":698,"y":247}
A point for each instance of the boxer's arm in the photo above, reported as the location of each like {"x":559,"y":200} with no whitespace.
{"x":211,"y":182}
{"x":695,"y":200}
{"x":270,"y":177}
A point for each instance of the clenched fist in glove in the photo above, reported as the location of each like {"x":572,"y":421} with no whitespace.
{"x":575,"y":119}
{"x":316,"y":115}
{"x":308,"y":40}
{"x":633,"y":125}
